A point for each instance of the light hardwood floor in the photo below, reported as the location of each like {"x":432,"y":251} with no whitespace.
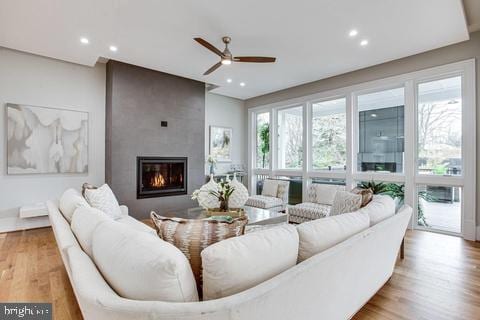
{"x":438,"y":279}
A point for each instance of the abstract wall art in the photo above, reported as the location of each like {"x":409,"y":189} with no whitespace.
{"x":46,"y":140}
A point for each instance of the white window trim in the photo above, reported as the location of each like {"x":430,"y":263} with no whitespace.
{"x":409,"y":177}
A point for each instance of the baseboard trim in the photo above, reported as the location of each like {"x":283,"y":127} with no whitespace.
{"x":10,"y":224}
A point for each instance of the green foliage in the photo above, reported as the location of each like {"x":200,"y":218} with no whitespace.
{"x":329,"y":141}
{"x":264,"y":146}
{"x":395,"y":190}
{"x":223,"y":193}
{"x":440,"y":169}
{"x":376,"y":187}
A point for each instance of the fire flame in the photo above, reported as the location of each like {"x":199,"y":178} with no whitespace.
{"x":157,"y":181}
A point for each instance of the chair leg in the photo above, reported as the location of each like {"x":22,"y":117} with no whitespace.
{"x":402,"y":249}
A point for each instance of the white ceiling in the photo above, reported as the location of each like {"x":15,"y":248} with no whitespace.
{"x":309,"y":38}
{"x":472,"y":11}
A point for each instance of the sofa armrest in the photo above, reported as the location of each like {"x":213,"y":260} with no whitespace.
{"x":124,"y":210}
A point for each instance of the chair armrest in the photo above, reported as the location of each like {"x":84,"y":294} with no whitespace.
{"x":124,"y":210}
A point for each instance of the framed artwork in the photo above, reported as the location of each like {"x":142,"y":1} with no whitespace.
{"x":46,"y":140}
{"x":221,"y":143}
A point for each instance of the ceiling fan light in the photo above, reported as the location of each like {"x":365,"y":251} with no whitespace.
{"x":226,"y":61}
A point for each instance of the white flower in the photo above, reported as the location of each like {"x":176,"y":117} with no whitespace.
{"x":195,"y":194}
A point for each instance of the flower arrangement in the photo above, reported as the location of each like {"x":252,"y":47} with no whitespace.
{"x":222,"y":193}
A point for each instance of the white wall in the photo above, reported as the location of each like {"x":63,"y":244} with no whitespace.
{"x":39,"y":81}
{"x":227,"y":112}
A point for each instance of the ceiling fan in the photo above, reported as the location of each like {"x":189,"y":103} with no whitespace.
{"x":226,"y":57}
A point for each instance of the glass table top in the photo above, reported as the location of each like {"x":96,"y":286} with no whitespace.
{"x":255,"y":215}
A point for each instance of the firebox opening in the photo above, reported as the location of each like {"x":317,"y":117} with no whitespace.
{"x":160,"y":176}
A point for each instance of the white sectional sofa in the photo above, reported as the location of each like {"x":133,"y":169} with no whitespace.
{"x":357,"y":255}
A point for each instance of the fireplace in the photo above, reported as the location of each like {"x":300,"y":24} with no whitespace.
{"x":161,"y":176}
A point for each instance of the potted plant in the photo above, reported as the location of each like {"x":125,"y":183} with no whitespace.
{"x":222,"y":193}
{"x":397,"y":191}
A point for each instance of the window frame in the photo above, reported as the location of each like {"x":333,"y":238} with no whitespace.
{"x":409,"y":176}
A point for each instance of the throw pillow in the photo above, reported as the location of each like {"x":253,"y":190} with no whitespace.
{"x":70,"y":200}
{"x":240,"y":263}
{"x":102,"y":198}
{"x":345,"y":202}
{"x":325,"y":193}
{"x":86,"y":186}
{"x":367,"y":195}
{"x":270,"y":188}
{"x":192,"y":236}
{"x":380,"y":208}
{"x":140,"y":266}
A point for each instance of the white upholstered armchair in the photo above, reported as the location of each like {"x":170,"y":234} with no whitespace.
{"x":274,"y":195}
{"x":319,"y":201}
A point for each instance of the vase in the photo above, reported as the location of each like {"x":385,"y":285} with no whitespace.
{"x":212,"y":169}
{"x":205,"y":199}
{"x":239,"y":196}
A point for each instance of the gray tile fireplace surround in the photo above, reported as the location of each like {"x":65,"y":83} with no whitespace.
{"x":138,"y":100}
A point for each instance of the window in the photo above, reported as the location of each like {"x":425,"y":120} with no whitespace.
{"x":381,"y":127}
{"x":439,"y":118}
{"x":329,"y":145}
{"x":439,"y":208}
{"x":263,"y":140}
{"x":290,"y":138}
{"x":411,"y":132}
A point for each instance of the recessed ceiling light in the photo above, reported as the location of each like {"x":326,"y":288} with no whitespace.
{"x":353,"y":33}
{"x":229,"y":80}
{"x":242,"y":84}
{"x":363,"y":43}
{"x":374,"y":115}
{"x":113,"y":48}
{"x":84,"y":40}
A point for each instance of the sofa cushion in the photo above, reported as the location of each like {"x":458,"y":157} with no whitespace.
{"x":70,"y":200}
{"x":84,"y":222}
{"x":270,"y":188}
{"x":236,"y":264}
{"x":264,"y":202}
{"x":319,"y":235}
{"x":345,"y":202}
{"x":308,"y":211}
{"x":103,"y":199}
{"x":135,"y":224}
{"x":380,"y":208}
{"x":140,"y":266}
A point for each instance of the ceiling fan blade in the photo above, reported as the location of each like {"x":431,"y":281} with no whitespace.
{"x":213,"y":68}
{"x":209,"y":46}
{"x":254,"y":59}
